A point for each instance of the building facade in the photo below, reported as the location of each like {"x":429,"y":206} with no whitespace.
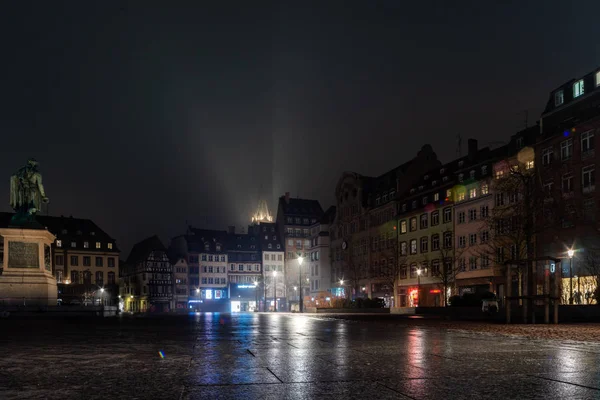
{"x":272,"y":286}
{"x":147,"y":278}
{"x":245,"y":268}
{"x":294,"y":219}
{"x":319,"y":261}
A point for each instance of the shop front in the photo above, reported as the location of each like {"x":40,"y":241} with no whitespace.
{"x":426,"y":295}
{"x":210,"y":300}
{"x":244,"y":297}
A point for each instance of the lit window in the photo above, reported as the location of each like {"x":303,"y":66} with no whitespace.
{"x":578,"y":88}
{"x":59,"y":243}
{"x":529,"y":165}
{"x":485,"y":189}
{"x":559,"y":98}
{"x":86,"y":245}
{"x":448,"y":193}
{"x":499,"y":174}
{"x":110,"y":246}
{"x":461,"y":196}
{"x":73,"y":244}
{"x":436,"y":197}
{"x":98,"y":245}
{"x":472,"y":193}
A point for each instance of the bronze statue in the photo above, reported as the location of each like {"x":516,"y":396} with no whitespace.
{"x":27,"y":192}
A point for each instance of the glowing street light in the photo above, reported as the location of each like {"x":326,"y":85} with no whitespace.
{"x":300,"y":305}
{"x":197,"y":290}
{"x":419,"y":271}
{"x":570,"y":253}
{"x":275,"y":291}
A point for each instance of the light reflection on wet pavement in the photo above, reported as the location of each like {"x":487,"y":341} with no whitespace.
{"x":283,"y":356}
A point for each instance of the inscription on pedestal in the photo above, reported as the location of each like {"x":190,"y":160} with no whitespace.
{"x":23,"y":255}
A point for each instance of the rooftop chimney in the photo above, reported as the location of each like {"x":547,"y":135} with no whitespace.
{"x":231,"y":230}
{"x":287,"y":197}
{"x":472,"y":148}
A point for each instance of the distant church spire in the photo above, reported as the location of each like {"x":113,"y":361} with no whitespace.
{"x":262,"y":213}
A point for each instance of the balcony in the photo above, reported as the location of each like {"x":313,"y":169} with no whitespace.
{"x":589,"y":189}
{"x":588,"y":154}
{"x":161,"y":296}
{"x":160,"y":282}
{"x":568,"y":195}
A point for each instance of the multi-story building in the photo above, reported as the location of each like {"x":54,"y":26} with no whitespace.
{"x":364,"y":234}
{"x":319,"y":261}
{"x":565,"y":164}
{"x":85,"y":260}
{"x":205,"y":253}
{"x":273,"y":261}
{"x":294,"y":218}
{"x":147,"y":278}
{"x":245,"y":268}
{"x":180,"y":278}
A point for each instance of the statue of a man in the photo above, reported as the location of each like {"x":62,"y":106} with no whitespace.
{"x":26,"y":190}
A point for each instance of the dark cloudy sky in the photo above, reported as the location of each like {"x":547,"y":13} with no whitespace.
{"x":146,"y":114}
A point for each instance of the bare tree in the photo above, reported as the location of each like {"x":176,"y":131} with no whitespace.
{"x":447,"y":257}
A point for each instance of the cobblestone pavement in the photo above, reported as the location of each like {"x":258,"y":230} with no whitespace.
{"x":283,"y":356}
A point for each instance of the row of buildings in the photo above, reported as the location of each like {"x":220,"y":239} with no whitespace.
{"x":415,"y":235}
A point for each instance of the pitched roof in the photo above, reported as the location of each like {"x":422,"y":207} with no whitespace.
{"x":69,"y":229}
{"x":301,"y":207}
{"x":142,"y":250}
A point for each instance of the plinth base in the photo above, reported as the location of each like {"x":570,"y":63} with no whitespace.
{"x":27,"y":289}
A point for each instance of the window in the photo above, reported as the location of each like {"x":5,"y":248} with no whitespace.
{"x":598,"y":78}
{"x":210,"y":258}
{"x":461,"y":195}
{"x":547,"y":156}
{"x":499,"y":199}
{"x":100,"y":278}
{"x":74,"y":261}
{"x":403,"y":226}
{"x":485,"y":189}
{"x":87,"y":261}
{"x":99,"y":262}
{"x":424,"y":220}
{"x":60,"y":260}
{"x":485,"y":261}
{"x":413,"y":270}
{"x":529,"y":164}
{"x":435,"y":218}
{"x":472,"y":214}
{"x":485,"y":236}
{"x":588,"y":177}
{"x":578,"y":88}
{"x":435,"y":242}
{"x":462,"y":241}
{"x":403,"y":271}
{"x":460,"y":163}
{"x":447,"y":214}
{"x":425,"y":200}
{"x":86,"y":245}
{"x":472,"y":193}
{"x":567,"y":183}
{"x":403,"y":207}
{"x":436,"y":197}
{"x":111,"y":278}
{"x":587,"y":141}
{"x":424,"y":244}
{"x":73,"y":244}
{"x":447,"y":240}
{"x":414,"y":204}
{"x":566,"y":149}
{"x":110,"y":246}
{"x":449,"y":193}
{"x":472,"y":239}
{"x":499,"y":173}
{"x":559,"y":98}
{"x":472,"y":174}
{"x":484,"y":211}
{"x":413,"y":246}
{"x":98,"y":245}
{"x":59,"y":243}
{"x":484,"y":170}
{"x":270,"y":246}
{"x":403,"y":248}
{"x":413,"y":224}
{"x":279,"y":257}
{"x":461,"y":217}
{"x":461,"y":264}
{"x":472,"y":263}
{"x":241,"y":267}
{"x":210,"y":269}
{"x":461,"y":177}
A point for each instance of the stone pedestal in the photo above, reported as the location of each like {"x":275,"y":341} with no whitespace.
{"x":26,"y":262}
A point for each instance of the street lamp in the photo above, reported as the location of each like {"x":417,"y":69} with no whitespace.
{"x":300,"y":259}
{"x":570,"y":253}
{"x":342,"y":286}
{"x":197,"y":291}
{"x":418,"y":286}
{"x":255,"y":295}
{"x":275,"y":291}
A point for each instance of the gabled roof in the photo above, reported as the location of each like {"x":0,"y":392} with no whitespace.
{"x":142,"y":250}
{"x":301,"y":207}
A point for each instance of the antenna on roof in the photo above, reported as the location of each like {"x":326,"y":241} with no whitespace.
{"x":458,"y":145}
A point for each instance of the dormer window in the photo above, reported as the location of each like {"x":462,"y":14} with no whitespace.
{"x":73,"y":244}
{"x":484,"y":170}
{"x":461,"y":163}
{"x":421,"y":187}
{"x":559,"y":98}
{"x":98,"y":245}
{"x":109,"y":245}
{"x":278,"y":246}
{"x":403,"y":207}
{"x":444,"y":179}
{"x":442,"y":171}
{"x":270,"y":246}
{"x":59,"y":243}
{"x":426,"y":177}
{"x":472,"y":174}
{"x":460,"y":177}
{"x":412,"y":190}
{"x":378,"y":201}
{"x":207,"y":247}
{"x":578,"y":88}
{"x":86,"y":245}
{"x":433,"y":183}
{"x":425,"y":200}
{"x":392,"y":194}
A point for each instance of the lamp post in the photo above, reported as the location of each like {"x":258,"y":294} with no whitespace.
{"x":342,"y":286}
{"x":418,"y":286}
{"x":275,"y":291}
{"x":570,"y":253}
{"x":101,"y":296}
{"x":300,"y":259}
{"x":255,"y":295}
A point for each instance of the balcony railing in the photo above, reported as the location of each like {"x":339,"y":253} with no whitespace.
{"x":589,"y":189}
{"x":160,"y":282}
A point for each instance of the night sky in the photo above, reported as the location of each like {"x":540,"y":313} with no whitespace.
{"x":145,"y":115}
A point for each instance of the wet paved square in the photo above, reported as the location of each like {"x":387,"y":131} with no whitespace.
{"x":283,"y":356}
